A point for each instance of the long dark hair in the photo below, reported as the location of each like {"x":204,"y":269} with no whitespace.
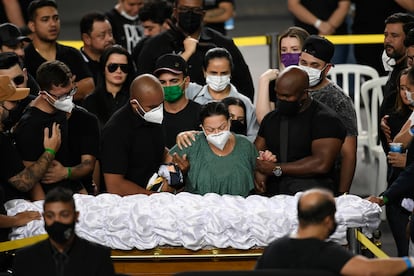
{"x":116,"y":49}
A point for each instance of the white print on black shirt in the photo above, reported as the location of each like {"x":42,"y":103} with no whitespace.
{"x":132,"y":36}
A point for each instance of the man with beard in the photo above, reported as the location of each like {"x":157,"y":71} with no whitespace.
{"x":63,"y":253}
{"x":96,"y":34}
{"x":394,"y":35}
{"x":303,"y":134}
{"x":44,"y":22}
{"x":316,"y":215}
{"x":189,"y":38}
{"x":315,"y":59}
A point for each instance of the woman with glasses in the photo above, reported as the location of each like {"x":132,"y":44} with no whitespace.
{"x":112,"y":91}
{"x":220,"y":161}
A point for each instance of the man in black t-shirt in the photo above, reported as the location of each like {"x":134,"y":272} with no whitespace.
{"x":80,"y":131}
{"x":96,"y":35}
{"x":180,"y":113}
{"x":44,"y":22}
{"x":307,"y":249}
{"x":314,"y":136}
{"x":133,"y":142}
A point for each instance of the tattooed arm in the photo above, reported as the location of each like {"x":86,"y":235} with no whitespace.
{"x":58,"y":172}
{"x":27,"y":178}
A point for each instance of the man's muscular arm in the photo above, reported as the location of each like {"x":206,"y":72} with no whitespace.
{"x":27,"y":178}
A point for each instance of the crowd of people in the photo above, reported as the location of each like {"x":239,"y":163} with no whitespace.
{"x":159,"y":83}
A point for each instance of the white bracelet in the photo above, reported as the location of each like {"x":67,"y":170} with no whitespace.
{"x":317,"y":23}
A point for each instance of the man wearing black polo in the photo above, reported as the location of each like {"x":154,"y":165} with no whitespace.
{"x":133,"y":142}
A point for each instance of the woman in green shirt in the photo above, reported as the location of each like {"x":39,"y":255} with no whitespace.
{"x":220,"y":161}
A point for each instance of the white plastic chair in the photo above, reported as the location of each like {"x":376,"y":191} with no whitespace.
{"x":372,"y":96}
{"x":361,"y":74}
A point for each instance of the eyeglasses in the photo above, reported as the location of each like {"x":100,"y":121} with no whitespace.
{"x":112,"y":67}
{"x":64,"y":96}
{"x":18,"y":80}
{"x":184,"y":9}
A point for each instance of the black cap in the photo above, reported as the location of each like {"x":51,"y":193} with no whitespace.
{"x":172,"y":63}
{"x":319,"y":47}
{"x":10,"y":35}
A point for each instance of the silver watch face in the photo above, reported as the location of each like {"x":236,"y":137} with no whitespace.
{"x":277,"y":171}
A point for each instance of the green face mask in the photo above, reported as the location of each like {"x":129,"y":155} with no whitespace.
{"x":173,"y":93}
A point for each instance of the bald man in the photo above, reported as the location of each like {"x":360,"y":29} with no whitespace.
{"x":133,"y":142}
{"x":307,"y":249}
{"x":304,"y":135}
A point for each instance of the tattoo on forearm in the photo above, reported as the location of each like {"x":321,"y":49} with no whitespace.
{"x":27,"y":178}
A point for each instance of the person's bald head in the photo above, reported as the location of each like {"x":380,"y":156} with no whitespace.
{"x":292,"y":84}
{"x":147,"y":90}
{"x":314,"y":206}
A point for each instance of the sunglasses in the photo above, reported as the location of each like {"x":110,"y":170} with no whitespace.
{"x":18,"y":80}
{"x":112,"y":67}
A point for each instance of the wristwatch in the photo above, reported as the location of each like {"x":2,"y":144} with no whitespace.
{"x":277,"y":171}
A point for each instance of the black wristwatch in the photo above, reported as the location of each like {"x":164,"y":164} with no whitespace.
{"x":277,"y":171}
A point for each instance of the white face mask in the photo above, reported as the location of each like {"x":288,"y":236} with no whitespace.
{"x":410,"y":99}
{"x":387,"y":61}
{"x":218,"y":83}
{"x":155,"y":115}
{"x":314,"y":75}
{"x":65,"y":104}
{"x":220,"y":139}
{"x":129,"y":17}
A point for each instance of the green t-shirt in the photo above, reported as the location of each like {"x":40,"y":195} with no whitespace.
{"x":209,"y":173}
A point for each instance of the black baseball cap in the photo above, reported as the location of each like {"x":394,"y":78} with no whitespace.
{"x":172,"y":63}
{"x":10,"y":35}
{"x":319,"y":47}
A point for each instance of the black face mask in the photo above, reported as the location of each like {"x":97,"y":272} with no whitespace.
{"x":238,"y":127}
{"x":288,"y":108}
{"x":189,"y":21}
{"x":60,"y":232}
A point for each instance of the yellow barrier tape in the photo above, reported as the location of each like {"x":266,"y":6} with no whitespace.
{"x":16,"y":244}
{"x":262,"y":40}
{"x":371,"y":246}
{"x":356,"y":39}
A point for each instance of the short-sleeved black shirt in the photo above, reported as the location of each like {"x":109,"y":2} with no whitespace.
{"x":316,"y":122}
{"x":68,"y":55}
{"x":310,"y":253}
{"x":131,"y":146}
{"x":84,"y":138}
{"x":29,"y":139}
{"x":186,"y":119}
